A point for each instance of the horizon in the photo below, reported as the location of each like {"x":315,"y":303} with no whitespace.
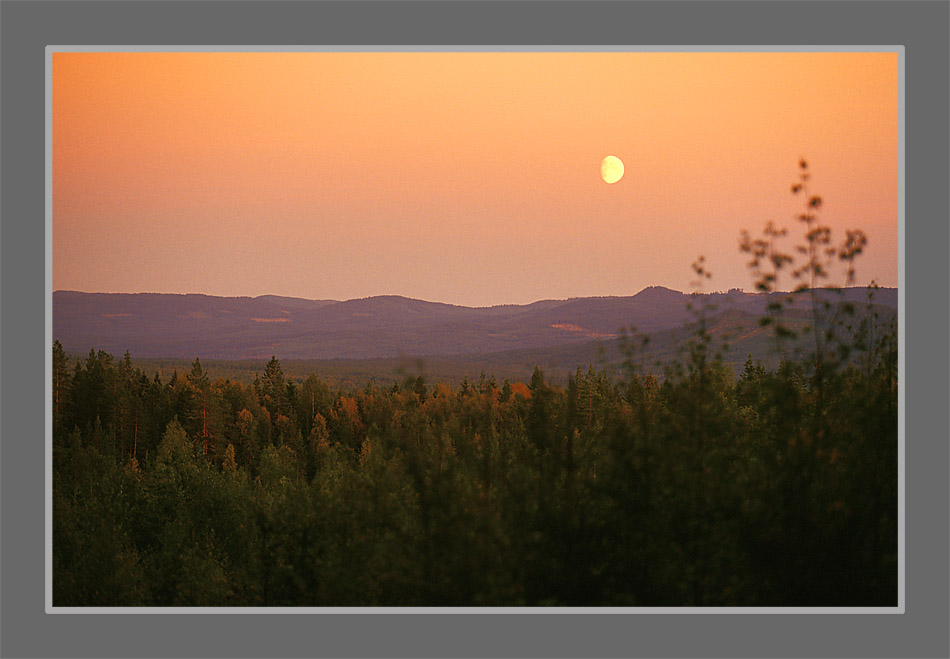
{"x":499,"y":304}
{"x":470,"y":178}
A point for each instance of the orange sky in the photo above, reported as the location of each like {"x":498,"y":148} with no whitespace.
{"x":469,"y":178}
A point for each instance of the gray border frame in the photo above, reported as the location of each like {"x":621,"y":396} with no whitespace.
{"x":27,"y":28}
{"x":898,"y":607}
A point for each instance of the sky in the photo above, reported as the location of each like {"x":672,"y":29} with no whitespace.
{"x":466,"y":178}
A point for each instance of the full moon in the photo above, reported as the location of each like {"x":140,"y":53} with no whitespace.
{"x":611,"y":169}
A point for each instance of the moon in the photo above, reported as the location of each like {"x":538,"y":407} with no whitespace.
{"x":611,"y":169}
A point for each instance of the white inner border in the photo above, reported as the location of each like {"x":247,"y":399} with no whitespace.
{"x":49,"y":608}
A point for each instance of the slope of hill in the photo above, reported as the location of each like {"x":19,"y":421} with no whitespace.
{"x":188,"y":326}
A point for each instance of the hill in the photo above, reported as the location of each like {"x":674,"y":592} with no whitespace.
{"x":152,"y":325}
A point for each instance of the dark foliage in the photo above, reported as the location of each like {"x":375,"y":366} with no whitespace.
{"x":700,"y":491}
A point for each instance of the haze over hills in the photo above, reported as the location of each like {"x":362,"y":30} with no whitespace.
{"x":209,"y":327}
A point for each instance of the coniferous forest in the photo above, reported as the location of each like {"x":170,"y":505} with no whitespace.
{"x":687,"y":487}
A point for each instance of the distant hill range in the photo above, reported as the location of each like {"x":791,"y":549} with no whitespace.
{"x":239,"y":328}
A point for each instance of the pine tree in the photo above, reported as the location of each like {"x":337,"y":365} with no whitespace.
{"x":201,"y":388}
{"x":61,"y":382}
{"x":273,"y":390}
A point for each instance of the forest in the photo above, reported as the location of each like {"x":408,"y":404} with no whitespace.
{"x":690,"y":486}
{"x":694,"y":489}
